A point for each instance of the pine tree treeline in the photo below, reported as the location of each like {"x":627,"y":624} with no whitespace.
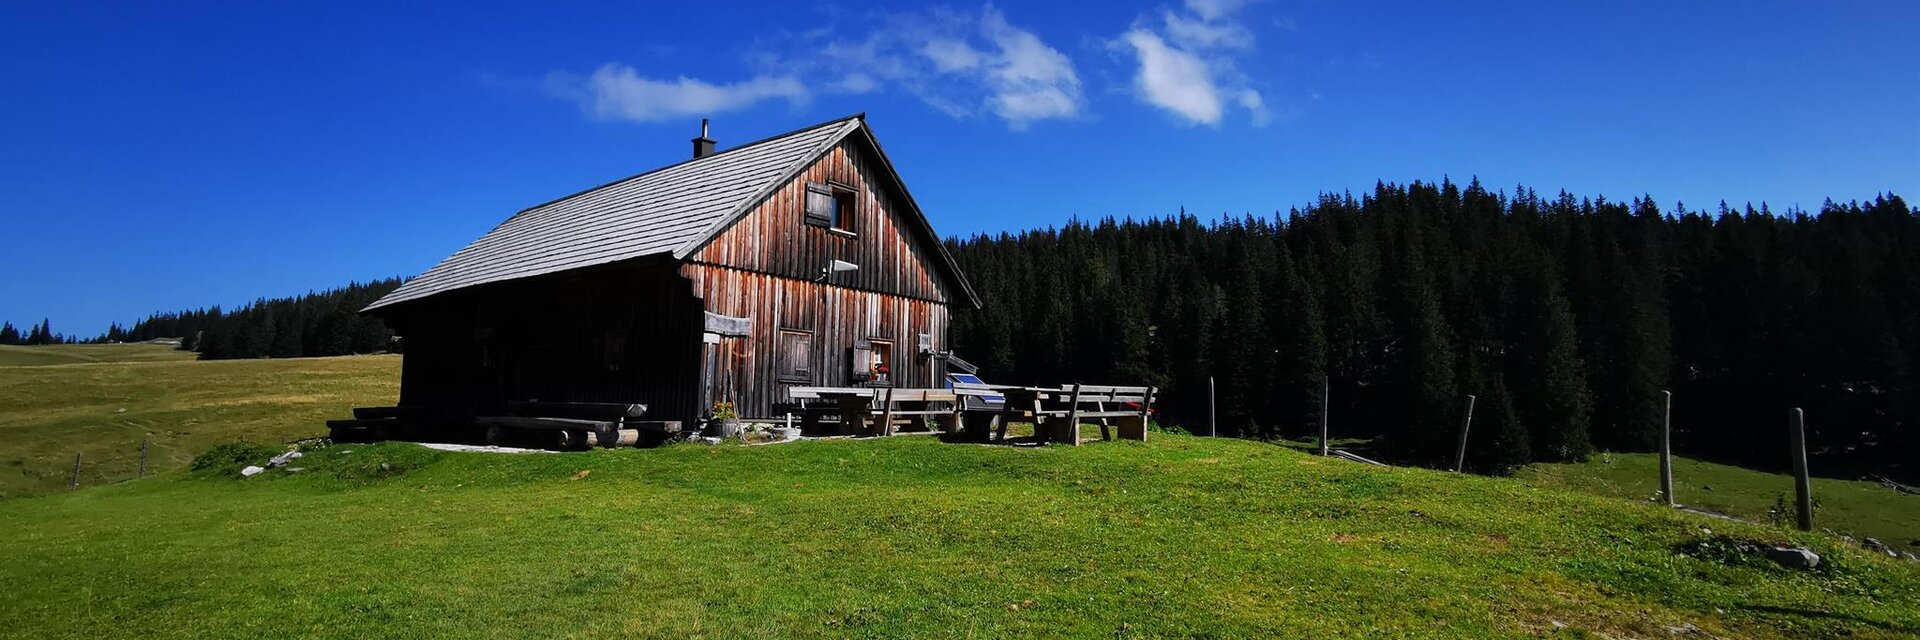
{"x":37,"y":334}
{"x":1565,"y":316}
{"x":326,"y":323}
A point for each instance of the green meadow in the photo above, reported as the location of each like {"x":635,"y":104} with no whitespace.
{"x":903,"y":537}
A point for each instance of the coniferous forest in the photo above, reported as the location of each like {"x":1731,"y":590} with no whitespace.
{"x":325,"y":323}
{"x":1566,"y":317}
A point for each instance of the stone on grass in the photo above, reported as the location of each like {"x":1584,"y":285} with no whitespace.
{"x":1794,"y":557}
{"x":1876,"y":545}
{"x":1684,"y":628}
{"x":282,"y":459}
{"x":252,"y":471}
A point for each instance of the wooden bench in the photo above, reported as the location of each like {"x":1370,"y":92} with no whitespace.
{"x":1057,"y":412}
{"x":877,"y":410}
{"x":574,"y":425}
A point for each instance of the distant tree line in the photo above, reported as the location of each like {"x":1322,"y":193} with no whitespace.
{"x":325,"y":323}
{"x":1565,"y":316}
{"x":37,"y":334}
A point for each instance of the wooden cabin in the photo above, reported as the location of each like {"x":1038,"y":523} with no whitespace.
{"x":798,"y":260}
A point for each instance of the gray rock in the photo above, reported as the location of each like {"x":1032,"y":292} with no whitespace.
{"x":252,"y":471}
{"x":1910,"y":556}
{"x":1794,"y":557}
{"x":1876,"y":545}
{"x":282,"y":459}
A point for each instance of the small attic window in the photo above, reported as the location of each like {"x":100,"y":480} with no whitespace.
{"x":831,"y":205}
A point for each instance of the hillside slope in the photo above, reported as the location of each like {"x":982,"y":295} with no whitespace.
{"x":1851,"y":507}
{"x":1179,"y":537}
{"x":56,"y":354}
{"x":183,"y":406}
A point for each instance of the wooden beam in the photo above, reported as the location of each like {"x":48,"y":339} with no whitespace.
{"x":530,"y":422}
{"x":886,"y":414}
{"x":1666,"y":448}
{"x":1466,"y":422}
{"x":608,"y":411}
{"x":1802,"y":482}
{"x":1072,"y":431}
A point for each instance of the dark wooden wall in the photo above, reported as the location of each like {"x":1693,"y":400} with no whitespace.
{"x":629,"y":334}
{"x":765,"y":265}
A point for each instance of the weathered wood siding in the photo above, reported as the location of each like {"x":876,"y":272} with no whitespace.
{"x":764,"y":267}
{"x":742,"y":369}
{"x":775,"y":239}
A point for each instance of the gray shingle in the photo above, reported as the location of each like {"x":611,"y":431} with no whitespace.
{"x":658,"y":212}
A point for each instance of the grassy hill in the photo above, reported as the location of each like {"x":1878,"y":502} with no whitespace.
{"x":1178,"y":537}
{"x":105,"y":407}
{"x":22,"y":356}
{"x":1860,"y":509}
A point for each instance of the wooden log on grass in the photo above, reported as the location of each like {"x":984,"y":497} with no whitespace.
{"x":618,"y":438}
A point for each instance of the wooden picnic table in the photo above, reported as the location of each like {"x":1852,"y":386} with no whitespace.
{"x":855,"y":406}
{"x":1062,"y":423}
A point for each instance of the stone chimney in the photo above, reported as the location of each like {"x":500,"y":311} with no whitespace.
{"x":703,"y":145}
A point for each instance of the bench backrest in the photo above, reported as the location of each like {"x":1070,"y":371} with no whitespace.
{"x":1107,"y":394}
{"x":899,"y":395}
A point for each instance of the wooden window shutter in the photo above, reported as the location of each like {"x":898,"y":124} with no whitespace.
{"x":819,"y":204}
{"x":859,"y":364}
{"x":796,"y":356}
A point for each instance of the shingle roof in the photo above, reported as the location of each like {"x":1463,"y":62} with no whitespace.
{"x":670,"y":210}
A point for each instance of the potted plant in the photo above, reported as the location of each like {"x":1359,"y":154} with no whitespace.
{"x":723,"y":420}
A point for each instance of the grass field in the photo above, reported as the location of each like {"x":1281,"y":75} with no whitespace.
{"x":1860,"y":509}
{"x":103,"y":409}
{"x":18,"y":356}
{"x":899,"y":537}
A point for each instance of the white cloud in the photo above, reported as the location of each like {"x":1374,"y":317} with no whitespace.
{"x":1215,"y":9}
{"x":1174,"y":80}
{"x":950,"y":55}
{"x":1255,"y":105}
{"x":618,"y":92}
{"x":1203,"y":34}
{"x":1030,"y":80}
{"x":960,"y":64}
{"x":1188,"y":65}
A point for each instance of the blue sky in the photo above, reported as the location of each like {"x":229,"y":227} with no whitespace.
{"x":158,"y":156}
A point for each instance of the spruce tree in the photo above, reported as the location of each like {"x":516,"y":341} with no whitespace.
{"x":1551,"y":382}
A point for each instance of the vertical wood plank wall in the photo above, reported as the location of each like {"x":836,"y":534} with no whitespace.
{"x":775,"y":239}
{"x":764,"y":267}
{"x":621,"y":335}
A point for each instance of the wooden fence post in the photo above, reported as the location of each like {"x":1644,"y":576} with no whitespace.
{"x":75,"y":482}
{"x":1326,"y":405}
{"x":1466,"y":422}
{"x":1212,"y":428}
{"x":143,"y":459}
{"x":1666,"y":447}
{"x":1802,"y":484}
